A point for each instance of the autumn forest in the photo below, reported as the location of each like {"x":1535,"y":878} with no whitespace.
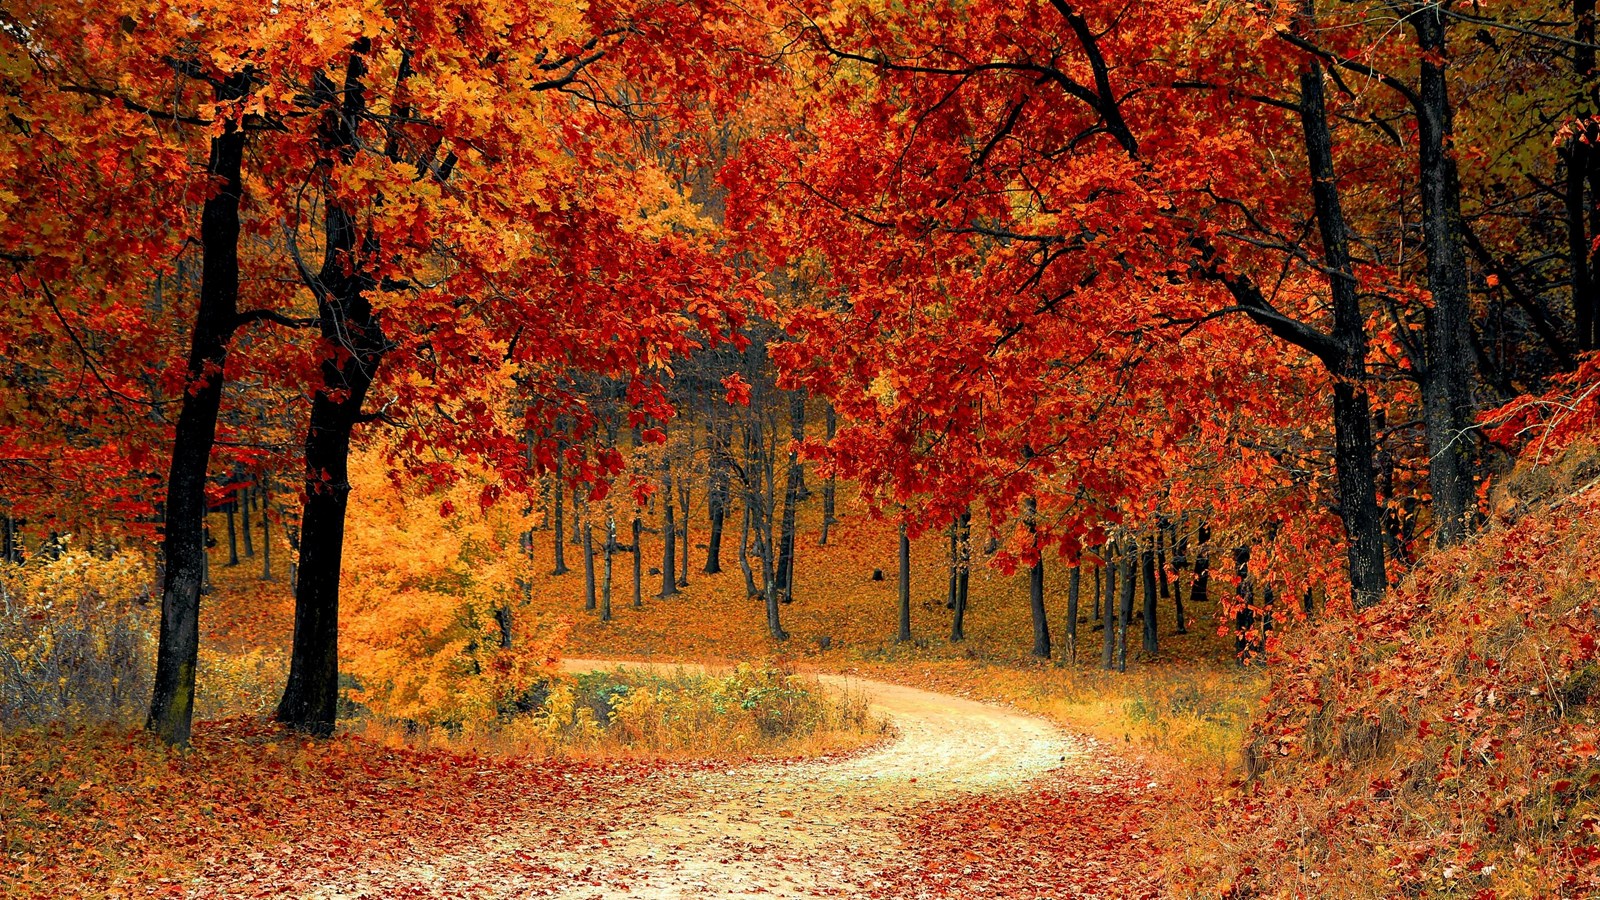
{"x":800,"y":448}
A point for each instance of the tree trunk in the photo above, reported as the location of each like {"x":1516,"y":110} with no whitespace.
{"x":560,"y":524}
{"x":1447,"y":380}
{"x":750,"y":589}
{"x":1125,"y":602}
{"x":244,"y":523}
{"x":233,"y":531}
{"x":1582,"y":165}
{"x":588,"y":567}
{"x":1074,"y":585}
{"x":348,"y":322}
{"x":1245,"y":618}
{"x":1108,"y":616}
{"x":669,"y":536}
{"x":1099,"y":582}
{"x":1152,"y":641}
{"x":1041,"y":622}
{"x":1352,"y":417}
{"x":963,"y":577}
{"x":575,"y":530}
{"x":904,"y":633}
{"x":718,"y":493}
{"x":830,"y":421}
{"x":1161,"y":558}
{"x":183,"y":535}
{"x":684,"y":486}
{"x":794,"y":483}
{"x":1199,"y":592}
{"x":605,"y":584}
{"x":638,"y":562}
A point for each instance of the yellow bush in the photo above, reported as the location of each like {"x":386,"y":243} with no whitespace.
{"x":76,"y":638}
{"x":434,"y":630}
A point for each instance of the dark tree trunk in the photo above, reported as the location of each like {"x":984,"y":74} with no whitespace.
{"x":233,"y":531}
{"x":244,"y":523}
{"x":638,"y":563}
{"x":904,"y":593}
{"x":1200,"y":591}
{"x":1180,"y":618}
{"x":794,"y":484}
{"x":1352,"y":416}
{"x":575,"y":530}
{"x":669,"y":537}
{"x":1582,"y":165}
{"x":1125,"y":603}
{"x":1152,"y":641}
{"x":750,"y":589}
{"x":1074,"y":586}
{"x":1108,"y":620}
{"x":963,"y":577}
{"x":1447,"y":380}
{"x":183,"y":537}
{"x":502,"y":619}
{"x":831,"y":423}
{"x":588,"y":567}
{"x":1096,"y":573}
{"x":1245,"y":619}
{"x":718,"y":493}
{"x":1178,"y":540}
{"x":1161,"y":559}
{"x":560,"y":524}
{"x":1575,"y":155}
{"x":1041,"y":621}
{"x":348,"y":322}
{"x":605,"y":584}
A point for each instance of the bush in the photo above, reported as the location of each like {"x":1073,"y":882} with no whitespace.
{"x":76,"y":639}
{"x":750,"y":711}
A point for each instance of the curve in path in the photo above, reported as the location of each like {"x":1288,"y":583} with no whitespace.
{"x":822,"y":828}
{"x":810,"y":829}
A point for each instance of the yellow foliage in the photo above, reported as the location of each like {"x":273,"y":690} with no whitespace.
{"x":76,"y":638}
{"x":433,"y":620}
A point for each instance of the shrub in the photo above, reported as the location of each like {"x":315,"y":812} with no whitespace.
{"x":76,"y":639}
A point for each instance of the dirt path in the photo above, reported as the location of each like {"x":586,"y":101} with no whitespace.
{"x":828,"y":828}
{"x":819,"y":829}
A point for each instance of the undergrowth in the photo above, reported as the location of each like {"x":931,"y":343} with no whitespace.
{"x":751,"y":711}
{"x":1441,"y":744}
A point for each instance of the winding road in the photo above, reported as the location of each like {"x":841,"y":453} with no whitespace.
{"x":822,"y":828}
{"x":804,"y":829}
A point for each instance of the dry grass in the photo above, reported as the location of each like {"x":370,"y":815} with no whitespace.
{"x":750,"y":712}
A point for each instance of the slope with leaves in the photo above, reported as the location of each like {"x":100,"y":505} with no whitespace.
{"x":1442,"y":744}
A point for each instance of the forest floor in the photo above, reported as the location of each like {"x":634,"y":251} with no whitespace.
{"x":939,"y":810}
